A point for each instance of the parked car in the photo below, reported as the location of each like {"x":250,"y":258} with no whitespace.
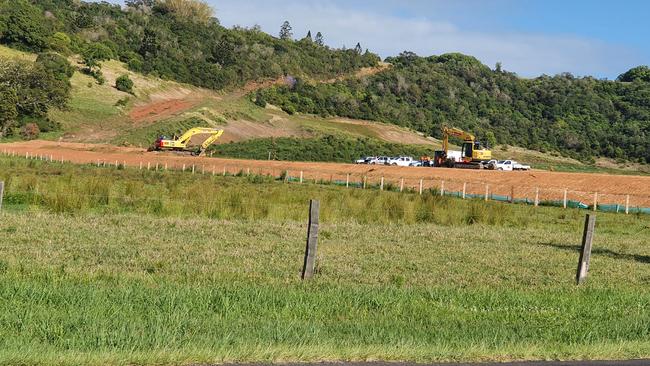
{"x":401,"y":161}
{"x":381,"y":160}
{"x":416,"y":163}
{"x":365,"y":160}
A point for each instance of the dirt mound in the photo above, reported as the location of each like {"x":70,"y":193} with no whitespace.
{"x":610,"y":189}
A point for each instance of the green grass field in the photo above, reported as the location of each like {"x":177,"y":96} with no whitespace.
{"x":121,"y":267}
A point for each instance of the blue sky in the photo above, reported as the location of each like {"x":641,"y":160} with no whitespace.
{"x":529,"y":37}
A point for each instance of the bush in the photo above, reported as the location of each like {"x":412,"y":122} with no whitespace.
{"x":125,"y":84}
{"x":30,"y":131}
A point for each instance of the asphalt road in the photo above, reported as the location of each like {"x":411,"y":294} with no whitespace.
{"x":523,"y":363}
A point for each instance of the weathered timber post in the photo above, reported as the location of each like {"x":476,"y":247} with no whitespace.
{"x":536,"y":196}
{"x":2,"y":192}
{"x":585,"y":251}
{"x":140,"y":165}
{"x":381,"y":185}
{"x":464,"y":189}
{"x":596,"y":201}
{"x":421,"y":182}
{"x":365,"y":180}
{"x":301,"y":175}
{"x":312,"y":240}
{"x":347,"y":180}
{"x":487,"y":192}
{"x":566,"y":195}
{"x":183,"y":167}
{"x":401,"y":185}
{"x":512,"y":194}
{"x":627,"y":204}
{"x":193,"y":168}
{"x":442,"y":188}
{"x":148,"y":165}
{"x":224,"y":170}
{"x":202,"y":169}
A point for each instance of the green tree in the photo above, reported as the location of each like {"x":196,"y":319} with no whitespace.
{"x":358,"y":49}
{"x":308,"y":36}
{"x":60,"y":42}
{"x":24,"y":25}
{"x":57,"y":65}
{"x":641,"y":73}
{"x":8,"y":111}
{"x":124,"y":83}
{"x":319,"y":40}
{"x":285,"y":31}
{"x":491,"y":139}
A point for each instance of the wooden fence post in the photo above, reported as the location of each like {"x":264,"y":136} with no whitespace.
{"x":312,"y":240}
{"x":442,"y":188}
{"x":464,"y":189}
{"x":421,"y":186}
{"x":365,"y":180}
{"x":401,"y":185}
{"x":596,"y":201}
{"x":148,"y":165}
{"x":565,"y":201}
{"x":585,"y":252}
{"x":183,"y":167}
{"x":224,"y":170}
{"x":347,"y":180}
{"x":536,"y":196}
{"x":301,"y":175}
{"x":140,"y":164}
{"x":381,"y":185}
{"x":2,"y":192}
{"x":627,"y":204}
{"x":487,"y":192}
{"x":512,"y":194}
{"x":193,"y":168}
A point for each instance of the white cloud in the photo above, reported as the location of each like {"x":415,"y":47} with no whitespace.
{"x":525,"y":54}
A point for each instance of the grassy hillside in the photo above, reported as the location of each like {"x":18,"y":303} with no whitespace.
{"x":102,"y":114}
{"x":418,"y":278}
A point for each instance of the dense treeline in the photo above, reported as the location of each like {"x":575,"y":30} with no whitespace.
{"x":175,"y":39}
{"x":580,"y":117}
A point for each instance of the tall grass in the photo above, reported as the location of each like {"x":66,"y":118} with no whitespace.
{"x":76,"y":189}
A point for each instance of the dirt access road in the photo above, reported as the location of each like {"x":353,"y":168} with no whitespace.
{"x":584,"y":187}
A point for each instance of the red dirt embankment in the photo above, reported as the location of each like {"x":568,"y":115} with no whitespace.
{"x":610,"y":189}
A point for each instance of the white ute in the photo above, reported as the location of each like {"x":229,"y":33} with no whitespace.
{"x":507,"y":165}
{"x":401,"y":161}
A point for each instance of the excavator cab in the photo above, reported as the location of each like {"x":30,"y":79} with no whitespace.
{"x":474,"y":151}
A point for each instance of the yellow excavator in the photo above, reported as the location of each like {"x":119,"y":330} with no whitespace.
{"x":195,"y":141}
{"x":472,"y":154}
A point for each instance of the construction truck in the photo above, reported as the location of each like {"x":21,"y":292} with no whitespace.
{"x":472,"y":154}
{"x":195,"y":141}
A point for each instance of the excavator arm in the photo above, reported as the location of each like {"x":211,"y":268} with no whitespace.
{"x":188,"y":140}
{"x":456,"y":132}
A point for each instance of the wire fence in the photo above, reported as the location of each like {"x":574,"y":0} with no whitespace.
{"x":463,"y":189}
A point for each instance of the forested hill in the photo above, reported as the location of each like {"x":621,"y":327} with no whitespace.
{"x":580,"y":117}
{"x":175,"y":39}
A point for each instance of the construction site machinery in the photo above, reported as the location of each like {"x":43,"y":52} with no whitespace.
{"x":195,"y":141}
{"x":472,"y":154}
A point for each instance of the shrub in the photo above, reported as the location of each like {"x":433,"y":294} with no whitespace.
{"x":125,"y":84}
{"x":30,"y":131}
